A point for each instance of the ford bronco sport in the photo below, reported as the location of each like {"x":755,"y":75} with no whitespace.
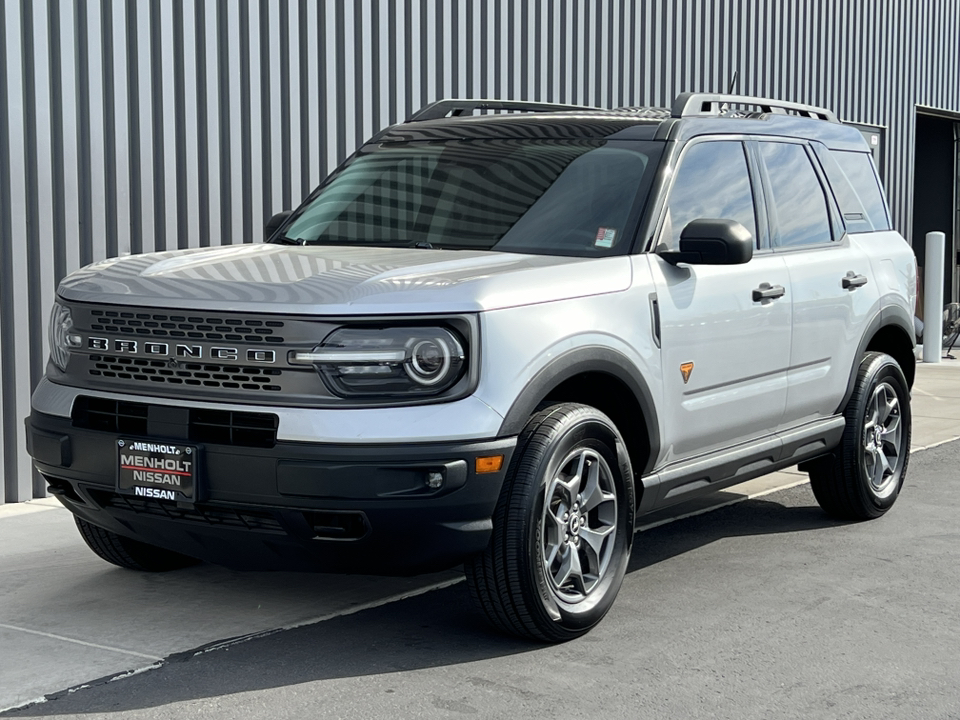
{"x":496,"y":339}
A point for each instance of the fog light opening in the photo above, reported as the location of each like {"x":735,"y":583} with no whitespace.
{"x":434,"y":480}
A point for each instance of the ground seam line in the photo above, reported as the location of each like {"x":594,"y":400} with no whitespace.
{"x":331,"y":616}
{"x":28,"y":703}
{"x":936,"y":444}
{"x":80,"y":642}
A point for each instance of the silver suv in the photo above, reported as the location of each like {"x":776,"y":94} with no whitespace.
{"x":496,"y":339}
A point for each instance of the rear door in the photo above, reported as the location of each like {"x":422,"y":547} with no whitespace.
{"x":834,"y":291}
{"x":724,"y":354}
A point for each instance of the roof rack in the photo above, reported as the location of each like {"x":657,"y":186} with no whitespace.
{"x":455,"y":108}
{"x":699,"y":104}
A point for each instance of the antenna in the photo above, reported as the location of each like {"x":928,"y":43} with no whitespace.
{"x":733,"y":83}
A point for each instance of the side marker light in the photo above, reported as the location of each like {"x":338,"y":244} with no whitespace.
{"x":489,"y":464}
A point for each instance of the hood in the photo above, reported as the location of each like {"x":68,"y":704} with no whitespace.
{"x":342,"y":280}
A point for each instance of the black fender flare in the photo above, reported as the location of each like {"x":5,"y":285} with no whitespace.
{"x":889,"y":316}
{"x":589,"y":359}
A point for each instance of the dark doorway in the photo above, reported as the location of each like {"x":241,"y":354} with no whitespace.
{"x":936,"y":191}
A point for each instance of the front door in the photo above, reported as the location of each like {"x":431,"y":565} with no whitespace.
{"x":724,"y":354}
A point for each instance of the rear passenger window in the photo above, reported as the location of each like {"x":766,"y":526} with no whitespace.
{"x":858,"y":167}
{"x":799,"y":202}
{"x":855,"y":217}
{"x":712,"y":182}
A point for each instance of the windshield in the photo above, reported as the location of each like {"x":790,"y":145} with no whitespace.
{"x":557,"y":197}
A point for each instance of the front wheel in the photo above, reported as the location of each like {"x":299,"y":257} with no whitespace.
{"x":562,"y":529}
{"x":862,"y":479}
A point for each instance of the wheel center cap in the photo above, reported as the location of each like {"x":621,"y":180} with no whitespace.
{"x":878,"y":435}
{"x":575,"y":525}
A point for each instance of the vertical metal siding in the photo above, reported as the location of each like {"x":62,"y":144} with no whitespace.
{"x":140,"y":125}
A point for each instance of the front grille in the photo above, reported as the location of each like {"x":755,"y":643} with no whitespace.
{"x":134,"y":350}
{"x":187,"y":326}
{"x":184,"y":373}
{"x":215,"y":427}
{"x":218,"y":517}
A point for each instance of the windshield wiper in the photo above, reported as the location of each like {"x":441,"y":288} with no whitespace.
{"x":284,"y":240}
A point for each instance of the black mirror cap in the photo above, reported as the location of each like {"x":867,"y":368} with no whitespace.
{"x":713,"y":241}
{"x":276,"y":222}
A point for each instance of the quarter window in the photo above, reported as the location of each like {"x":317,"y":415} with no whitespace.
{"x":712,"y":182}
{"x":859,"y":170}
{"x":798,"y":198}
{"x":855,"y":218}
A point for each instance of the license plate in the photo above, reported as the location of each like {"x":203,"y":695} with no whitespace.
{"x":157,"y":470}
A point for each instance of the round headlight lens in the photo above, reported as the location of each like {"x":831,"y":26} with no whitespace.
{"x":429,"y":361}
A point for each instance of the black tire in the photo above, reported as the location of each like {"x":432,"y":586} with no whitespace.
{"x":852,"y":483}
{"x":131,"y":554}
{"x":513,"y":582}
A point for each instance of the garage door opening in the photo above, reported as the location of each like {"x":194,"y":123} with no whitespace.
{"x":936,"y":191}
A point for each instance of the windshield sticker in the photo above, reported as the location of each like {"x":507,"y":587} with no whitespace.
{"x":605,"y":237}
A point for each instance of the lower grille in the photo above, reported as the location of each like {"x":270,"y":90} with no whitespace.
{"x":216,"y":427}
{"x":115,"y":416}
{"x":205,"y":515}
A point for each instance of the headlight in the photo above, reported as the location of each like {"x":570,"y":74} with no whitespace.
{"x":62,"y":337}
{"x":387,"y":362}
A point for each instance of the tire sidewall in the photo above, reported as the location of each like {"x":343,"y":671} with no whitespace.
{"x":882,"y":369}
{"x":595,"y":431}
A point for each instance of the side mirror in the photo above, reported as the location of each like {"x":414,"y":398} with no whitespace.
{"x":708,"y":241}
{"x":276,"y":222}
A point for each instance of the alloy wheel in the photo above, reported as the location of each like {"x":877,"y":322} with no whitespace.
{"x":882,"y":440}
{"x":579,"y":525}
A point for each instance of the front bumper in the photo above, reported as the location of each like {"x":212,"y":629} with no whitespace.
{"x":295,"y":506}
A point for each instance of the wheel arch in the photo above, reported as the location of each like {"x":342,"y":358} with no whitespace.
{"x":605,"y":379}
{"x":890,"y":332}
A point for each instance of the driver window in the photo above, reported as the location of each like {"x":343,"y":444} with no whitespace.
{"x":712,"y":182}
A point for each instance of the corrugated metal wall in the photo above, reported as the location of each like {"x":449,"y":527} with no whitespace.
{"x":135,"y":125}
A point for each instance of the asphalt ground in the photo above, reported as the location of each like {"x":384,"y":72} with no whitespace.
{"x":762,"y":609}
{"x":68,"y":620}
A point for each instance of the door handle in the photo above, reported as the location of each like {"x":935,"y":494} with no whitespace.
{"x":766,"y":291}
{"x":852,"y":281}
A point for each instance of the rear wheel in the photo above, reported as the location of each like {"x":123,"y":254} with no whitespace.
{"x":131,"y":554}
{"x":862,"y":479}
{"x":562,"y":530}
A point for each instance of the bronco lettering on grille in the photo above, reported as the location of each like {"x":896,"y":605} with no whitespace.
{"x":159,"y":349}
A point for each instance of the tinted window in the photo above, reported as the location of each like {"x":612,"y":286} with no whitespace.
{"x":566,"y":197}
{"x":855,"y":218}
{"x":858,"y":167}
{"x":801,"y":207}
{"x":712,"y":182}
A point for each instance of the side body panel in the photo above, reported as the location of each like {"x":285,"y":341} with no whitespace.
{"x":895,"y":269}
{"x":740,"y":349}
{"x":525,"y":343}
{"x":828,"y":323}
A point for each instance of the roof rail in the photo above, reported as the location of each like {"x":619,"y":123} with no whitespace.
{"x":442,"y":108}
{"x":699,"y":104}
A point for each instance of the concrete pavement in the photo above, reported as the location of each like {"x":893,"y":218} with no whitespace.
{"x":67,"y":618}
